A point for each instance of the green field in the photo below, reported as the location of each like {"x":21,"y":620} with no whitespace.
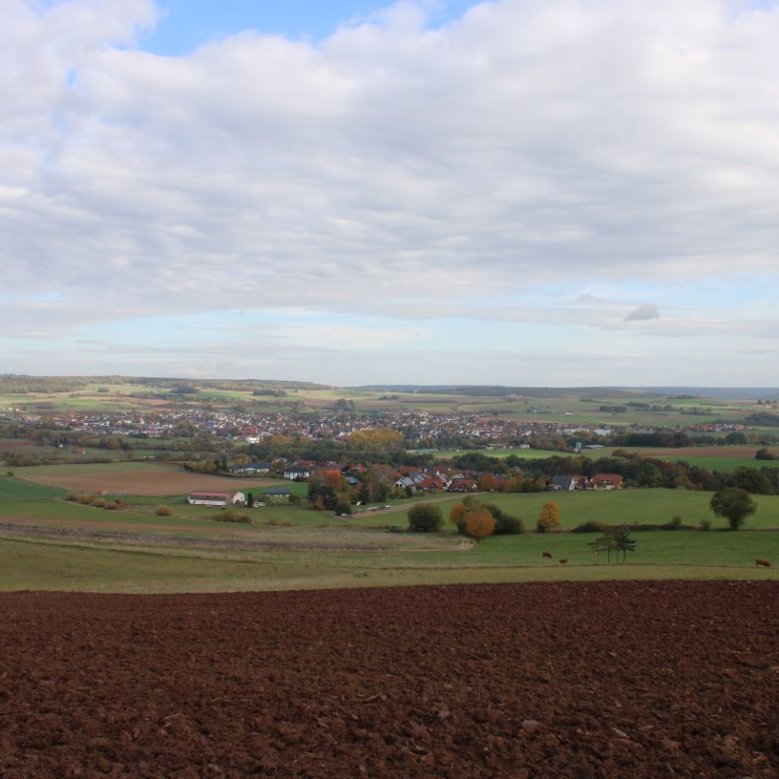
{"x":48,"y":543}
{"x":12,"y":488}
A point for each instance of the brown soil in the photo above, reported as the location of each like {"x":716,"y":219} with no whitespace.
{"x":632,"y":680}
{"x":162,"y":482}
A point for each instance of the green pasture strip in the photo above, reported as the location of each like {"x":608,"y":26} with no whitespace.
{"x":721,"y":464}
{"x":680,"y":547}
{"x":526,"y":454}
{"x":12,"y":488}
{"x":653,"y":506}
{"x":44,"y":566}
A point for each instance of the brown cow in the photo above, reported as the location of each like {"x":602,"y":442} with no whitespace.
{"x":761,"y":562}
{"x":564,"y":561}
{"x":546,"y":554}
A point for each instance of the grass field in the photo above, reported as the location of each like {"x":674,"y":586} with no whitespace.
{"x":47,"y":543}
{"x":722,"y":459}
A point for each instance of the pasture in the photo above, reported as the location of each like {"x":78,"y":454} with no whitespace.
{"x":48,"y":543}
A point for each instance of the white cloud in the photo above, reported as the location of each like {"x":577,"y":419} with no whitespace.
{"x":644,"y":312}
{"x":390,"y":168}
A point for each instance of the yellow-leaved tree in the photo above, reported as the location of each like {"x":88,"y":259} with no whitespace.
{"x":548,"y":517}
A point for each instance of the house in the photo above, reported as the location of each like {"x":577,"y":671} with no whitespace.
{"x":250,"y":469}
{"x":463,"y":485}
{"x":219,"y":499}
{"x":563,"y":483}
{"x":297,"y":473}
{"x":607,"y":481}
{"x":276,"y":494}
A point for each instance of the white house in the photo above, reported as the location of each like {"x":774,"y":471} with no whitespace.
{"x":220,"y":499}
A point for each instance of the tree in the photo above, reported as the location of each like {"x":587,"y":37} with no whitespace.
{"x":459,"y":511}
{"x":751,"y":480}
{"x":548,"y":517}
{"x":425,"y":518}
{"x":623,"y":542}
{"x":734,"y":504}
{"x":479,"y":523}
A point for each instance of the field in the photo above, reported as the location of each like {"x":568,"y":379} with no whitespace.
{"x":722,"y":459}
{"x":134,"y":479}
{"x":49,"y":543}
{"x":603,"y":680}
{"x":570,"y":406}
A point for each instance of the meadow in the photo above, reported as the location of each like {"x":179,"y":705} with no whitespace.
{"x":49,"y":543}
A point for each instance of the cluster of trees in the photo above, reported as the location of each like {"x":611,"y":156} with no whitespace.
{"x":614,"y":539}
{"x":637,"y":470}
{"x":330,"y":490}
{"x":477,"y":520}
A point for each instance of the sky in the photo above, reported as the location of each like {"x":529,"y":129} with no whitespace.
{"x":557,"y":193}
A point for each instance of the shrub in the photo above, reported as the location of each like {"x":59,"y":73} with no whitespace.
{"x":508,"y":526}
{"x":111,"y":505}
{"x":228,"y":515}
{"x":343,"y":507}
{"x":163,"y":511}
{"x":505,"y":524}
{"x":425,"y":518}
{"x":675,"y":523}
{"x":99,"y":503}
{"x":705,"y":524}
{"x":593,"y":526}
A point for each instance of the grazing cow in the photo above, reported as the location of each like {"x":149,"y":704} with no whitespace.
{"x":547,"y":554}
{"x":761,"y":562}
{"x":564,"y":561}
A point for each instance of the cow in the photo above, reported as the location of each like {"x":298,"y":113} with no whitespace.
{"x":564,"y":561}
{"x":547,"y":555}
{"x":761,"y":562}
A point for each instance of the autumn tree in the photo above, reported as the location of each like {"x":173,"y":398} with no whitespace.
{"x":328,"y":488}
{"x":459,"y":510}
{"x":548,"y":518}
{"x":734,"y":504}
{"x":479,"y":523}
{"x":488,"y":482}
{"x":375,"y":438}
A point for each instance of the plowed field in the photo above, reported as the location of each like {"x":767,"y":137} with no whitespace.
{"x":161,"y":482}
{"x":634,"y":680}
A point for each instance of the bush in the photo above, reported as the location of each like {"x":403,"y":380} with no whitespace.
{"x":163,"y":511}
{"x":228,"y":515}
{"x":425,"y":518}
{"x":99,"y":503}
{"x":342,"y":507}
{"x":593,"y":526}
{"x":674,"y":524}
{"x":705,"y":524}
{"x":508,"y":526}
{"x":505,"y":524}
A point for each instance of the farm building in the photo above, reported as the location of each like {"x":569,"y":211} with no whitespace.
{"x":606,"y":481}
{"x":277,"y":494}
{"x":216,"y":498}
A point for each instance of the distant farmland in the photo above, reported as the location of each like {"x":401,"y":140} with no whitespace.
{"x":133,"y":479}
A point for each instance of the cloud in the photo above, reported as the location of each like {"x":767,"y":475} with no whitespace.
{"x":394,"y":163}
{"x":644,"y":312}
